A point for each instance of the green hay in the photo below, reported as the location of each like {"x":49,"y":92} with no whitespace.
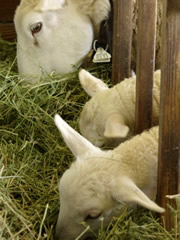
{"x":33,"y":156}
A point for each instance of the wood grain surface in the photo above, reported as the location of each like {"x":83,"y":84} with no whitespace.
{"x":147,"y":19}
{"x":122,"y":40}
{"x":7,"y":11}
{"x":169,"y":142}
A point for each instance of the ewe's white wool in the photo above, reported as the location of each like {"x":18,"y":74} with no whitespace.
{"x":98,"y":182}
{"x":56,"y":35}
{"x":109,"y":116}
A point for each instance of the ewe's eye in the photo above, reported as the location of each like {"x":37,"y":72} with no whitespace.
{"x":36,"y":27}
{"x":92,"y":216}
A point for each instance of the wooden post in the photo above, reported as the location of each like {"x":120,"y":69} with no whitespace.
{"x":169,"y":140}
{"x":122,"y":40}
{"x":7,"y":31}
{"x":147,"y":19}
{"x":7,"y":11}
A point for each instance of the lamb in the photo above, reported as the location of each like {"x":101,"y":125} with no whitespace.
{"x":56,"y":35}
{"x":108,"y":118}
{"x":99,"y":183}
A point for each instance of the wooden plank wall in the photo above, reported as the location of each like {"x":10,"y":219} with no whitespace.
{"x":7,"y":11}
{"x":169,"y":142}
{"x":147,"y":19}
{"x":122,"y":40}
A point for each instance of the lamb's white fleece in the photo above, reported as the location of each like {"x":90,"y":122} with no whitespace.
{"x":98,"y":182}
{"x":109,"y":116}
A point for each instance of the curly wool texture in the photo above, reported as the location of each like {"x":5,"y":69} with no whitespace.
{"x":139,"y":157}
{"x":136,"y":159}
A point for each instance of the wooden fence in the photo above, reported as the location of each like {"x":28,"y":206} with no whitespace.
{"x":169,"y":133}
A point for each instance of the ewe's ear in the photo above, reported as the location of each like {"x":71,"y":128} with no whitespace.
{"x":24,"y":3}
{"x":128,"y":192}
{"x":78,"y":145}
{"x":91,"y":84}
{"x":115,"y":127}
{"x":48,"y":5}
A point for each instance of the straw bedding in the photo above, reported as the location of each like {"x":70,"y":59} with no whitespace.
{"x":33,"y":156}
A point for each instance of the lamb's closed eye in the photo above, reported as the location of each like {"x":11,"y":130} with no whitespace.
{"x":93,"y":215}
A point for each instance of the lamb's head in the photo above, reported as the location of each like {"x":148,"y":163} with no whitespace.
{"x":100,"y":120}
{"x":52,"y":35}
{"x":84,"y":202}
{"x":89,"y":189}
{"x":83,"y":188}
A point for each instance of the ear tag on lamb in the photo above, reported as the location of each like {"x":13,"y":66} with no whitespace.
{"x":101,"y":55}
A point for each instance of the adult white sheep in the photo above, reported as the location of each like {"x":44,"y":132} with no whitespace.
{"x":56,"y":35}
{"x":109,"y":116}
{"x":98,"y":182}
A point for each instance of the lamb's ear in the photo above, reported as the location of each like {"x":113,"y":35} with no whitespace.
{"x":48,"y":5}
{"x":115,"y":127}
{"x":130,"y":193}
{"x":91,"y":84}
{"x":78,"y":145}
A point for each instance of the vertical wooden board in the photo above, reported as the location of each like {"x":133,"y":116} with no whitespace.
{"x":7,"y":31}
{"x":7,"y":10}
{"x":122,"y":40}
{"x":147,"y":19}
{"x":169,"y":140}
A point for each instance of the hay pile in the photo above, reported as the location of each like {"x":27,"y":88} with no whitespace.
{"x":33,"y":156}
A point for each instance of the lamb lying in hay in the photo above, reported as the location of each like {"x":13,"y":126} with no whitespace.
{"x":56,"y":35}
{"x":99,"y":182}
{"x":109,"y":116}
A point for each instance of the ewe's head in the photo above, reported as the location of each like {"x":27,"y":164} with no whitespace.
{"x":30,"y":15}
{"x":52,"y":35}
{"x":36,"y":24}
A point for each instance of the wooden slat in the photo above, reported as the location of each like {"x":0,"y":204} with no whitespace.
{"x":169,"y":141}
{"x":7,"y":31}
{"x":122,"y":40}
{"x":147,"y":19}
{"x":7,"y":10}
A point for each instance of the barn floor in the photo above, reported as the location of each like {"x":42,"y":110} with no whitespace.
{"x":33,"y":157}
